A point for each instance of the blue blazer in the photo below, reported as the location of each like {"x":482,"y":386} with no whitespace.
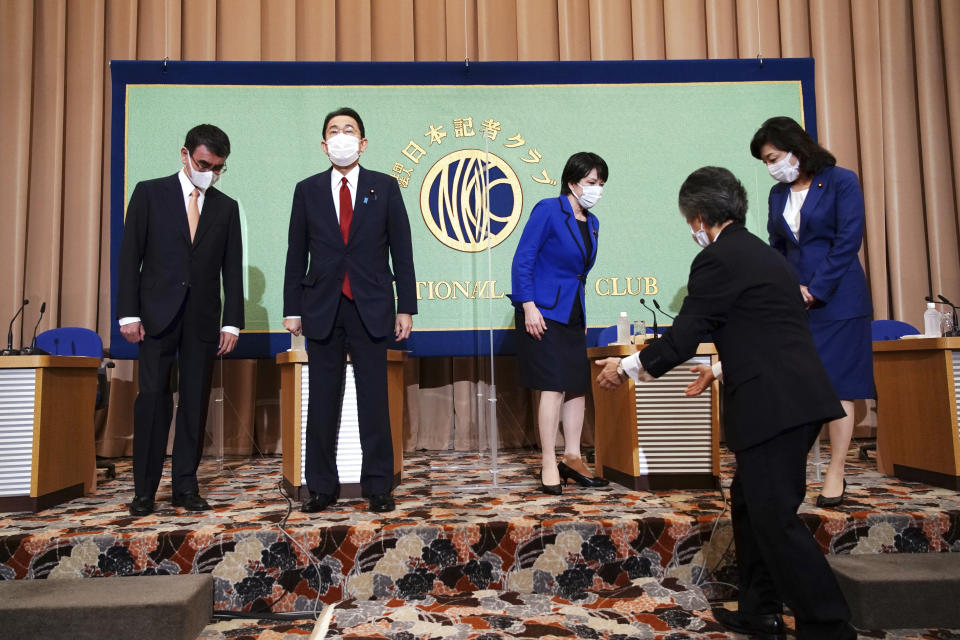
{"x":831,"y":231}
{"x":551,"y":263}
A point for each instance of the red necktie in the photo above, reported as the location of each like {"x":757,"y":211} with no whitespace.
{"x":346,"y":215}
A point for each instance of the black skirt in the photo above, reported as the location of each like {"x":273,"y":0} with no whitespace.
{"x":558,"y":361}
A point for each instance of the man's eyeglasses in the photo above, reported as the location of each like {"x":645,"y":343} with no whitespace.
{"x":206,"y":166}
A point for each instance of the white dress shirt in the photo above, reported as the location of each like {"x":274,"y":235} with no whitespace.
{"x":791,"y":211}
{"x":187,"y":187}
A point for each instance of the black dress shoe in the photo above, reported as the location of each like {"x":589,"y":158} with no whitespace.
{"x":550,"y":489}
{"x":141,"y":506}
{"x":190,"y":502}
{"x":382,"y":503}
{"x":835,"y":501}
{"x":568,"y":473}
{"x":317,"y":502}
{"x":766,"y":626}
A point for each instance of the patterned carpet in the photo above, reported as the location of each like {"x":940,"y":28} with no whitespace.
{"x":446,"y":540}
{"x":627,"y":614}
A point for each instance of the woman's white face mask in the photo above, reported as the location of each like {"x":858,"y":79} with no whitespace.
{"x":786,"y":169}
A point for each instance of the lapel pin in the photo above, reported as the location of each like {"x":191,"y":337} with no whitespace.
{"x":820,"y":184}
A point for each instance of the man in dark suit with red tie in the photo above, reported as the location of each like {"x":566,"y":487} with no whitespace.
{"x":338,"y":292}
{"x":180,"y":235}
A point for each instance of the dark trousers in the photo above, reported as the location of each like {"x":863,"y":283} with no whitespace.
{"x":778,"y":560}
{"x":327,"y":360}
{"x":153,"y":409}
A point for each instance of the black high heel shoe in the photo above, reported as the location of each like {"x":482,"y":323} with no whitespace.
{"x":822,"y":500}
{"x":550,"y":489}
{"x":566,"y":473}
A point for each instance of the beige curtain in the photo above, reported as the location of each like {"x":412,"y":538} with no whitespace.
{"x":888,"y":101}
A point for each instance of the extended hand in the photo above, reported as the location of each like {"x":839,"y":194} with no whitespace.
{"x":133,"y":332}
{"x":227,"y":342}
{"x":808,"y":298}
{"x":403,"y":326}
{"x":704,"y":379}
{"x":609,"y":378}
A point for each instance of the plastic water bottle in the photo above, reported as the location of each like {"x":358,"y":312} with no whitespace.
{"x":623,"y":328}
{"x":931,"y":321}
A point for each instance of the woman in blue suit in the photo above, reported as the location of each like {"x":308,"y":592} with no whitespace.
{"x":556,"y":251}
{"x":816,"y":219}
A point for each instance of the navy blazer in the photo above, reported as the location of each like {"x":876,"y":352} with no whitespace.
{"x":744,"y":296}
{"x":317,"y":257}
{"x":831,"y":231}
{"x":158,"y":264}
{"x":550,"y":265}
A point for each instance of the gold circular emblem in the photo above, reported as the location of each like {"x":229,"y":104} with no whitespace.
{"x":453,"y":204}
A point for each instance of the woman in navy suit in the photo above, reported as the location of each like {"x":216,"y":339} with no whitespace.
{"x":556,"y":251}
{"x":815,"y":220}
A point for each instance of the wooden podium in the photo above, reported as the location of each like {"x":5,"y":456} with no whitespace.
{"x":650,"y":436}
{"x":46,"y":430}
{"x":918,"y":400}
{"x":294,"y":395}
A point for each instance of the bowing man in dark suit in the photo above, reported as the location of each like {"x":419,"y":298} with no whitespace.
{"x":338,"y":292}
{"x":744,"y":296}
{"x":180,"y":236}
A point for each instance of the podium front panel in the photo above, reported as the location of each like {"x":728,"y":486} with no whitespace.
{"x":349,"y":453}
{"x":674,"y":432}
{"x":956,"y":390}
{"x":650,"y":435}
{"x":17,"y":413}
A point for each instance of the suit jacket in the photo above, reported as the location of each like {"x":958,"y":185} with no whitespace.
{"x":831,"y":231}
{"x":551,"y":263}
{"x":744,"y":296}
{"x":317,"y":257}
{"x":158,"y":264}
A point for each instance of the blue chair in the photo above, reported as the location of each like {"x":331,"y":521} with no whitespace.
{"x":891,"y":330}
{"x":79,"y":341}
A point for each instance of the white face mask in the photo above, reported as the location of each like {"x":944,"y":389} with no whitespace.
{"x":343,"y":149}
{"x":202,"y":180}
{"x":700,"y":236}
{"x":590,"y":195}
{"x":783,"y":170}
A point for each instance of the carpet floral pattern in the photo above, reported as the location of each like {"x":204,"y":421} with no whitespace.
{"x":444,"y":539}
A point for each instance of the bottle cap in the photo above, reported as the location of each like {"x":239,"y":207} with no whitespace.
{"x":623,"y":314}
{"x":930,"y":305}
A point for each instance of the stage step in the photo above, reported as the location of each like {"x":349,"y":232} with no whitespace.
{"x":900,"y":590}
{"x":141,"y":608}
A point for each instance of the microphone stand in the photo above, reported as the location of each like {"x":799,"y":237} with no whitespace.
{"x":33,"y":350}
{"x":656,"y":333}
{"x":10,"y":351}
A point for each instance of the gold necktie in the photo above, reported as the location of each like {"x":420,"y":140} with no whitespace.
{"x":193,"y":212}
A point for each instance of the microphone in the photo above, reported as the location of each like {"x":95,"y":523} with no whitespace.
{"x":643,"y":304}
{"x":657,"y":305}
{"x":33,"y":350}
{"x":10,"y":351}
